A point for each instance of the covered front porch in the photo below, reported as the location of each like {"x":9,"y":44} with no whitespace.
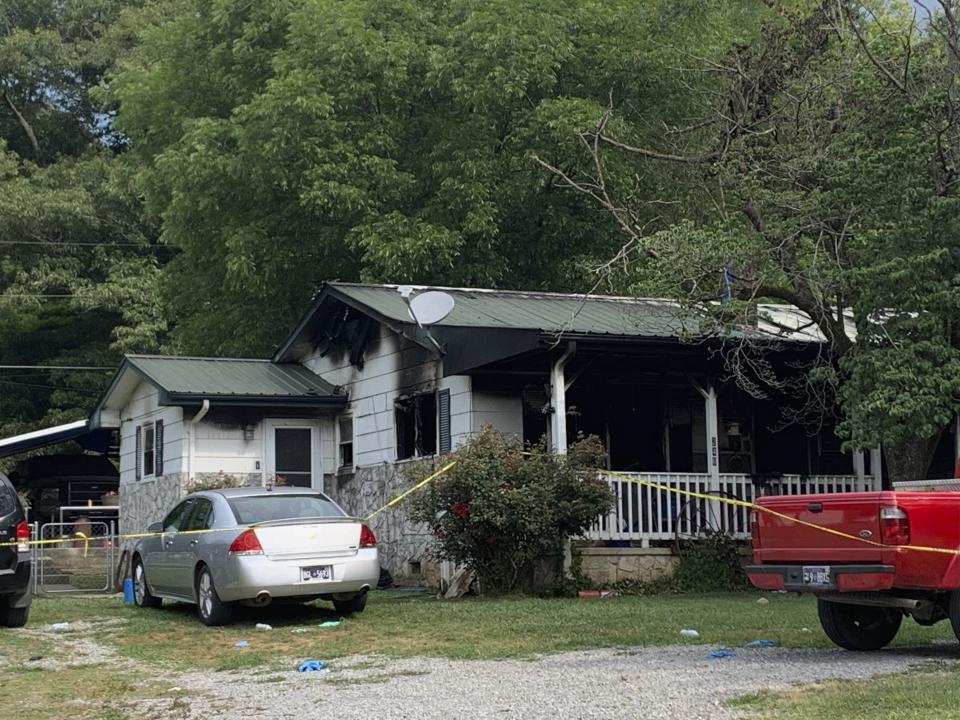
{"x":673,"y":422}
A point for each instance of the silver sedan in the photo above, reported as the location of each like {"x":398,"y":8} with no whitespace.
{"x":254,"y":545}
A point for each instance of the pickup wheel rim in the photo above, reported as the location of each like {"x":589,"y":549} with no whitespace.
{"x":139,"y":583}
{"x":206,"y":594}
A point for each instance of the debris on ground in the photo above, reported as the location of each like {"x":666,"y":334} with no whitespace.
{"x":241,"y":644}
{"x":312,"y":666}
{"x":721,"y":653}
{"x":689,"y":633}
{"x":263,"y":626}
{"x":766,"y":642}
{"x":60,"y":627}
{"x":762,"y":601}
{"x":329,"y":623}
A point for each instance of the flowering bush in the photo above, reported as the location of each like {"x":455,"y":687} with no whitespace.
{"x":503,"y":510}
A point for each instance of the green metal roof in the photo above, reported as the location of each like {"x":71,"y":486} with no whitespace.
{"x":546,"y":312}
{"x":213,"y":377}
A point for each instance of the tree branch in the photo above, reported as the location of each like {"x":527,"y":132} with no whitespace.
{"x":23,"y":124}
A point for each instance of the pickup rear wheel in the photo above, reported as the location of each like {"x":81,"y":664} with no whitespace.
{"x":953,"y":612}
{"x":858,"y":627}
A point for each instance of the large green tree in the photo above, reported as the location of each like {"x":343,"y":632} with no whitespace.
{"x":827,"y":161}
{"x":287,"y":142}
{"x":78,"y":265}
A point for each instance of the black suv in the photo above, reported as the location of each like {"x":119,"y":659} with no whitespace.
{"x":15,"y":592}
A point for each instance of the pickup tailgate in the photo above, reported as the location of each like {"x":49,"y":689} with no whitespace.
{"x":779,"y":539}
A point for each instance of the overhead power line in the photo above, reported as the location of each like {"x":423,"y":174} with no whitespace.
{"x":57,"y":367}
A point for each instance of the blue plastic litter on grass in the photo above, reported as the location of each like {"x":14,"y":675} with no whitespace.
{"x":329,"y":623}
{"x":311,"y":666}
{"x":241,"y":644}
{"x":769,"y":642}
{"x":721,"y":653}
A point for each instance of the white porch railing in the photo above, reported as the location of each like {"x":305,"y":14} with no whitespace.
{"x":645,"y":513}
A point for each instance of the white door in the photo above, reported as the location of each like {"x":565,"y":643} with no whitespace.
{"x":293,"y":452}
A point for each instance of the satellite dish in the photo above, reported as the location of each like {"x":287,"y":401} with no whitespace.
{"x":430,"y":307}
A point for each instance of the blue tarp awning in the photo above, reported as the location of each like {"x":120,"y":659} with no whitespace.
{"x":79,"y":431}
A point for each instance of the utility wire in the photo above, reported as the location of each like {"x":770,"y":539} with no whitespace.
{"x":57,"y":367}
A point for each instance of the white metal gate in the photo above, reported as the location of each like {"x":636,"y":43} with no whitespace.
{"x":75,"y":557}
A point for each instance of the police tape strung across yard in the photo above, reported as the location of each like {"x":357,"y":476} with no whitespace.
{"x":623,"y":476}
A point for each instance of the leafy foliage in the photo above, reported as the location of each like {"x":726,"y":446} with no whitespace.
{"x":825,"y":161}
{"x":287,"y":142}
{"x":503,"y":511}
{"x":78,"y":270}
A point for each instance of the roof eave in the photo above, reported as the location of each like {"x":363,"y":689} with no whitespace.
{"x":331,"y":402}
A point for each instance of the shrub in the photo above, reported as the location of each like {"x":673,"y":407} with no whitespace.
{"x":503,"y":511}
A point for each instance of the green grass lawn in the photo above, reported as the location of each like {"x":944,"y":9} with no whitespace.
{"x":403,"y":624}
{"x":931,"y":692}
{"x":409,"y":623}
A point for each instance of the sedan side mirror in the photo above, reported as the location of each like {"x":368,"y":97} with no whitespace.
{"x":155,"y":527}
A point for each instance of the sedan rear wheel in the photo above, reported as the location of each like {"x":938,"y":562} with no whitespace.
{"x":211,"y":609}
{"x":141,"y":591}
{"x":354,"y":605}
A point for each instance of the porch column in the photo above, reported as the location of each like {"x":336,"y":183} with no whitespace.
{"x":956,"y":446}
{"x":860,"y":468}
{"x":713,"y":438}
{"x":558,"y":400}
{"x":876,"y":468}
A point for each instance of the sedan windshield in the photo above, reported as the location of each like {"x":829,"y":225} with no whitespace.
{"x":264,"y":508}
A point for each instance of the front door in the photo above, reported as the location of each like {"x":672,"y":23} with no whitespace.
{"x":293,"y":453}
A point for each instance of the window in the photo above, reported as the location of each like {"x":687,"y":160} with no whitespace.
{"x":177,"y":519}
{"x":416,"y":421}
{"x":149,"y":435}
{"x":282,"y":506}
{"x":202,"y":516}
{"x":149,"y":450}
{"x":345,"y":430}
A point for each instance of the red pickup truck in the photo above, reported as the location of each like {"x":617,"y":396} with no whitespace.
{"x":870,"y":566}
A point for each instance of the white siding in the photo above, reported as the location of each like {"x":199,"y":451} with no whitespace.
{"x":220,"y":447}
{"x":461,"y":406}
{"x":142,"y":408}
{"x":504,"y":412}
{"x":393,"y":366}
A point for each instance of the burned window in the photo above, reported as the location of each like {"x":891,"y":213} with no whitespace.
{"x":345,"y":435}
{"x":416,"y":421}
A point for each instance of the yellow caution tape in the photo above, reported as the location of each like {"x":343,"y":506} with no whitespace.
{"x":137,"y":536}
{"x":631,"y":478}
{"x":769,"y":511}
{"x":419,"y":485}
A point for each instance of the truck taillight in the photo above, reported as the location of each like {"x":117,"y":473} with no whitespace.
{"x":367,"y":538}
{"x":22,"y":533}
{"x":246,"y":543}
{"x":894,"y":526}
{"x":755,"y":529}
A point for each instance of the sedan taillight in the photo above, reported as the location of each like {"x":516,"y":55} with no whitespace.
{"x":246,"y":543}
{"x":22,"y":533}
{"x":367,"y":538}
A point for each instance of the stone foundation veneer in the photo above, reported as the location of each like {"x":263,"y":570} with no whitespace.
{"x":608,"y":565}
{"x":404,"y":545}
{"x":143,"y":502}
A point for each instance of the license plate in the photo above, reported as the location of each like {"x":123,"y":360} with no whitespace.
{"x":816,"y":574}
{"x":317,"y":573}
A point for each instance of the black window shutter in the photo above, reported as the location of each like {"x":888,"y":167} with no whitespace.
{"x":443,"y":412}
{"x":158,"y":448}
{"x":138,"y":454}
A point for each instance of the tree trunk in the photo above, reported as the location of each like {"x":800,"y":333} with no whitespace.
{"x":909,"y":459}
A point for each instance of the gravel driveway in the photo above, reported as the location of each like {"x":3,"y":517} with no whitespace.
{"x":661,"y":682}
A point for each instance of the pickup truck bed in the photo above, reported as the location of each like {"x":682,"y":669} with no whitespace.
{"x":870,"y":558}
